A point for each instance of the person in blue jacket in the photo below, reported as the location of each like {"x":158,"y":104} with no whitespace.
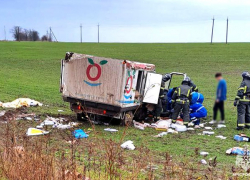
{"x":197,"y":98}
{"x":169,"y":98}
{"x":197,"y":111}
{"x":221,"y":96}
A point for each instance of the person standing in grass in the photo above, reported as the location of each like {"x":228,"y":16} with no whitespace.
{"x":221,"y":96}
{"x":242,"y":101}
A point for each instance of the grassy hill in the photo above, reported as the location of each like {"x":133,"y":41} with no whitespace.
{"x":32,"y":69}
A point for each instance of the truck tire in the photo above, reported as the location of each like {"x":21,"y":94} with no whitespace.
{"x":128,"y":119}
{"x":81,"y":117}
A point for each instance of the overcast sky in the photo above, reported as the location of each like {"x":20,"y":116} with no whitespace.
{"x":130,"y":20}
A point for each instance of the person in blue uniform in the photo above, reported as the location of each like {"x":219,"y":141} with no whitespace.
{"x":197,"y":98}
{"x":197,"y":111}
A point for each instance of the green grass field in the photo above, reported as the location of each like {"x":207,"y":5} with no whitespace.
{"x":32,"y":69}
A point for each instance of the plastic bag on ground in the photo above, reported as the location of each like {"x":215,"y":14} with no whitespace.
{"x":128,"y":145}
{"x":237,"y":151}
{"x":79,"y":134}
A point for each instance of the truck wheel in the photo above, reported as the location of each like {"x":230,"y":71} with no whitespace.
{"x":81,"y":117}
{"x":128,"y":118}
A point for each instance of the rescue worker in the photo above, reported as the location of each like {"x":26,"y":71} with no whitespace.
{"x":197,"y":98}
{"x":158,"y":107}
{"x":242,"y":101}
{"x":169,"y":98}
{"x":197,"y":111}
{"x":182,"y":98}
{"x":194,"y":87}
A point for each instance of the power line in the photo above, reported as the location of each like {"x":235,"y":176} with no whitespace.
{"x":212,"y":31}
{"x":81,"y":32}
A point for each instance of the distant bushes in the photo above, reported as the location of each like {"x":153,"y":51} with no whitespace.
{"x":21,"y":34}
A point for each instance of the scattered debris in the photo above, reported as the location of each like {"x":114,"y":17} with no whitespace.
{"x":180,"y":128}
{"x":138,"y":126}
{"x":172,"y":131}
{"x":208,"y":132}
{"x":79,"y":134}
{"x":152,"y":167}
{"x":237,"y":151}
{"x":202,"y":125}
{"x":208,"y":128}
{"x":221,"y":126}
{"x":190,"y":129}
{"x":221,"y":137}
{"x":161,"y":134}
{"x":110,"y":130}
{"x":26,"y":102}
{"x":35,"y":132}
{"x":203,"y":153}
{"x":128,"y":145}
{"x":60,"y":110}
{"x":203,"y":161}
{"x":29,"y":118}
{"x":2,"y":113}
{"x":241,"y":137}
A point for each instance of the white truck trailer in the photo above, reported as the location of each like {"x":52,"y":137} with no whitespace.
{"x":100,"y":86}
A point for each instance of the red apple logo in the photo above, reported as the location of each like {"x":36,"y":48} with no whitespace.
{"x":99,"y":72}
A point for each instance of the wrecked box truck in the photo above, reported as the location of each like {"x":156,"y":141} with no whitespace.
{"x":98,"y":86}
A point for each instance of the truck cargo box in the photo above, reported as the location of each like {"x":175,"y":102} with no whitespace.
{"x":113,"y":82}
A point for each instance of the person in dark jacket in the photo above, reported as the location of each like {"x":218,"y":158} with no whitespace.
{"x":182,"y":98}
{"x":242,"y":101}
{"x":221,"y":96}
{"x":194,"y":87}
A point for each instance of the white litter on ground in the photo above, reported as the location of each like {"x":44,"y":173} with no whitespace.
{"x":208,"y":128}
{"x":60,"y":110}
{"x":190,"y":129}
{"x":203,"y":161}
{"x":221,"y":137}
{"x":172,"y":131}
{"x":221,"y":126}
{"x":110,"y":130}
{"x":180,"y":128}
{"x":128,"y":145}
{"x":208,"y":132}
{"x":161,"y":134}
{"x":203,"y":153}
{"x":2,"y":113}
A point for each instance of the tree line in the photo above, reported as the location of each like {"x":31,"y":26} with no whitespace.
{"x":21,"y":34}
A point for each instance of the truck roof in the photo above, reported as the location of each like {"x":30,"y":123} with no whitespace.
{"x":130,"y":64}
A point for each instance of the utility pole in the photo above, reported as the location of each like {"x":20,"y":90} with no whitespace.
{"x":50,"y":37}
{"x":227,"y":31}
{"x":81,"y":32}
{"x":98,"y":32}
{"x":212,"y":31}
{"x":4,"y":33}
{"x":53,"y":34}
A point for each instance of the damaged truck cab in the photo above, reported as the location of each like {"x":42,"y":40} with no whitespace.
{"x":98,"y":86}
